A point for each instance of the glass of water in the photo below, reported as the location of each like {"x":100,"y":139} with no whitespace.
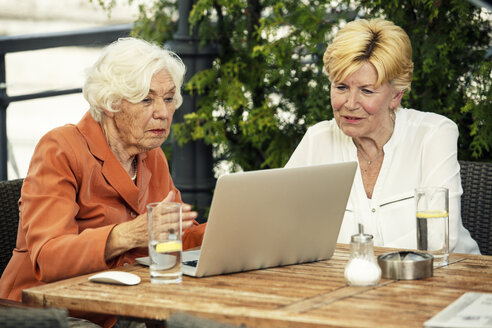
{"x":432,"y":210}
{"x":165,"y":246}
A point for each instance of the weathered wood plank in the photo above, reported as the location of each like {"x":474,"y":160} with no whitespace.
{"x":307,"y":295}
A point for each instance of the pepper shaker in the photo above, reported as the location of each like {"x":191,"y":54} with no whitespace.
{"x":362,"y":268}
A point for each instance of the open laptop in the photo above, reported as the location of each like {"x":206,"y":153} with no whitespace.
{"x":267,"y":218}
{"x":275,"y":217}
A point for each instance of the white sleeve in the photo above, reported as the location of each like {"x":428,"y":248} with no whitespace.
{"x":300,"y":156}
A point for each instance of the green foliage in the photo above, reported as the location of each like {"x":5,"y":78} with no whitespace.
{"x":452,"y":74}
{"x":156,"y":20}
{"x":266,"y":87}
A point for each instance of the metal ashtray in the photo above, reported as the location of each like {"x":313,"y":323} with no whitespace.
{"x":406,"y":265}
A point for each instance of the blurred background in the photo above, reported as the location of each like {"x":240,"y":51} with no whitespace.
{"x":39,"y":70}
{"x":254,"y":80}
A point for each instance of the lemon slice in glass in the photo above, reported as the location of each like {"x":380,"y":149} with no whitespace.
{"x":432,"y":214}
{"x":167,"y":247}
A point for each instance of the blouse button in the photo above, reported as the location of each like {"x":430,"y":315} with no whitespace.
{"x":373,"y":210}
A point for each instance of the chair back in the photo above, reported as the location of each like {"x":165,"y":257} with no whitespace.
{"x":185,"y":320}
{"x":476,"y":202}
{"x":9,"y":218}
{"x":14,"y":317}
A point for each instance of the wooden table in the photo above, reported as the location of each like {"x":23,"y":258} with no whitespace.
{"x":307,"y":295}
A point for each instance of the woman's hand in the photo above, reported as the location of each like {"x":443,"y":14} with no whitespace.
{"x":188,"y":216}
{"x":134,"y":233}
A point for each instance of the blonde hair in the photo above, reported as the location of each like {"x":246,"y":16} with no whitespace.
{"x":124,"y":71}
{"x":377,"y":41}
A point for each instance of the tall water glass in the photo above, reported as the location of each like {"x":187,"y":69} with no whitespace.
{"x":432,"y":209}
{"x":165,"y":245}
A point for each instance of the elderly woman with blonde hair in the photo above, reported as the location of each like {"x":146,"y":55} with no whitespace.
{"x":369,"y":64}
{"x":82,"y":205}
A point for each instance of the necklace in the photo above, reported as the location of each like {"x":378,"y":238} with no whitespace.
{"x":134,"y":168}
{"x":370,"y":161}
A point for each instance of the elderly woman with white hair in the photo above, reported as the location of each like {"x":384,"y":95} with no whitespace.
{"x":82,"y":205}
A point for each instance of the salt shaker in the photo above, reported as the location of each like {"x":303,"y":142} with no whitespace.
{"x":362,"y":268}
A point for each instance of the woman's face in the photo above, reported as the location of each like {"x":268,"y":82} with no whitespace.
{"x":360,"y":109}
{"x":146,"y":125}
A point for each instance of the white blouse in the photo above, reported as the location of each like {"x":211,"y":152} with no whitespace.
{"x":421,"y":152}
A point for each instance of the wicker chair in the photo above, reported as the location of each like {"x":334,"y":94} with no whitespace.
{"x":9,"y":218}
{"x":476,"y":202}
{"x":12,"y":313}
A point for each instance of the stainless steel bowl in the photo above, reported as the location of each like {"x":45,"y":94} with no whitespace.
{"x":406,"y":265}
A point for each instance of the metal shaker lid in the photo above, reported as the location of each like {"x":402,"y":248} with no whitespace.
{"x":361,"y":237}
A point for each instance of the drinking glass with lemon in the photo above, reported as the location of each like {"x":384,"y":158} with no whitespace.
{"x":432,"y":211}
{"x":165,"y":245}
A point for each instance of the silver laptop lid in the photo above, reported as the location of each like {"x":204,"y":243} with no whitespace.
{"x":275,"y":217}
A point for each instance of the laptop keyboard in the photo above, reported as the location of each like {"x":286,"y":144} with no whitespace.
{"x":191,"y":263}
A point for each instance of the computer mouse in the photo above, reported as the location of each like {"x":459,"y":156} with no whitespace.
{"x":116,"y":277}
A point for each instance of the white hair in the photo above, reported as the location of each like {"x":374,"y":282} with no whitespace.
{"x":124,"y":71}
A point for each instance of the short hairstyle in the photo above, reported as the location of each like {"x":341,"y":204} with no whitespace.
{"x":124,"y":71}
{"x":377,"y":41}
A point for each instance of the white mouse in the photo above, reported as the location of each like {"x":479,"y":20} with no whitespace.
{"x":116,"y":277}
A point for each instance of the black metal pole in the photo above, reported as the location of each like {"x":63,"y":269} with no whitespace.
{"x":192,"y":163}
{"x":3,"y":120}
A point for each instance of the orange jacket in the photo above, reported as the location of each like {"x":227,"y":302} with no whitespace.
{"x":75,"y":192}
